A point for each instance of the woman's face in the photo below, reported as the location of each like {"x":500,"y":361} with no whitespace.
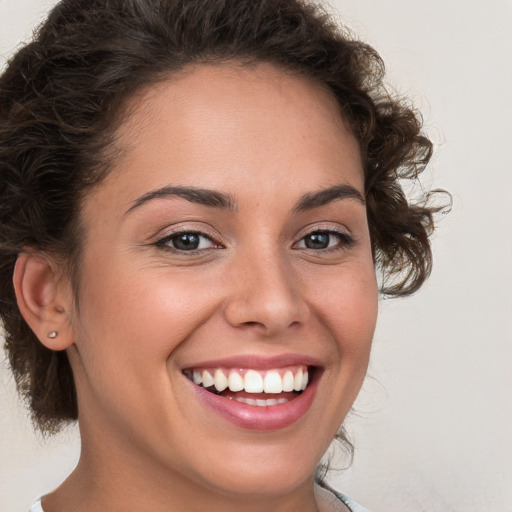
{"x":230,"y":242}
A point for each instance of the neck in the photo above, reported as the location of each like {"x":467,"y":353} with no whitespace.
{"x":125,"y":480}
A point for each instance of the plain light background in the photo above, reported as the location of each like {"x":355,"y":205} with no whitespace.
{"x":433,"y":424}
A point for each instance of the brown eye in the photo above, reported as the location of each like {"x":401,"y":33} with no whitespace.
{"x":325,"y":240}
{"x":317,"y":240}
{"x":186,"y":241}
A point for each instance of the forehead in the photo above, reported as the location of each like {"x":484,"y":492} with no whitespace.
{"x":233,"y":88}
{"x":235,"y":127}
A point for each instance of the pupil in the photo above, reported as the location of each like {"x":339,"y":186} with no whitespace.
{"x":317,"y":241}
{"x":186,"y":241}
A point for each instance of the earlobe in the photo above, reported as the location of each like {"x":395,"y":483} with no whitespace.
{"x":43,"y":300}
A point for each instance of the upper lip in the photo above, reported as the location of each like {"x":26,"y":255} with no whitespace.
{"x":257,"y":362}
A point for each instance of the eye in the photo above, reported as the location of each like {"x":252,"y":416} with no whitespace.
{"x":187,"y":241}
{"x":325,"y":240}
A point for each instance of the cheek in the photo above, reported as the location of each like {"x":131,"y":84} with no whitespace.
{"x":138,"y":317}
{"x":131,"y":324}
{"x":346,"y":305}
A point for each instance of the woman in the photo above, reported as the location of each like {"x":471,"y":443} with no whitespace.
{"x":195,"y":196}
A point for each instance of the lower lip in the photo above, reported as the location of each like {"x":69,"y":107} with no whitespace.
{"x":271,"y":417}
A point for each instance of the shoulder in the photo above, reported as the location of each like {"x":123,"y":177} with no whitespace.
{"x":332,"y":499}
{"x":352,"y":505}
{"x":335,"y":501}
{"x":36,"y":507}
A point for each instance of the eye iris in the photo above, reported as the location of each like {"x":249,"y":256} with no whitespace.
{"x":317,"y":241}
{"x":186,"y":241}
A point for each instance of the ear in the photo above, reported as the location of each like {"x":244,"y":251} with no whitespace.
{"x":44,"y":299}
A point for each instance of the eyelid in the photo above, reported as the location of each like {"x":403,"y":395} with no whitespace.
{"x":323,"y":227}
{"x":167,"y":234}
{"x":345,"y":236}
{"x":164,"y":242}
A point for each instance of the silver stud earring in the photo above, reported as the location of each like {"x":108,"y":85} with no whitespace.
{"x":53,"y":334}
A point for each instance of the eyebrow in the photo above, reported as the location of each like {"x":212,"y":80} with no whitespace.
{"x":225,"y":201}
{"x":194,"y":195}
{"x":326,"y":196}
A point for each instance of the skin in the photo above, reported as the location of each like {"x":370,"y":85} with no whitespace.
{"x":266,"y":138}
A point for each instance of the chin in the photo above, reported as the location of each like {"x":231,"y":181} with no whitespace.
{"x":264,"y":483}
{"x":268,"y":471}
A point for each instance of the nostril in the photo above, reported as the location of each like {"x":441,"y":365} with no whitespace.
{"x":265,"y":298}
{"x":267,"y":316}
{"x":253,"y":324}
{"x":257,"y":326}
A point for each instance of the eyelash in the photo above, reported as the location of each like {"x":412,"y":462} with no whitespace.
{"x":164,"y":243}
{"x":345,"y":241}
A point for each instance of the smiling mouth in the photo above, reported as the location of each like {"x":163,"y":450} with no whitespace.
{"x":260,"y":388}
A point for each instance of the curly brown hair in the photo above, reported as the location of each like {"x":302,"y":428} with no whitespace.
{"x":62,"y":97}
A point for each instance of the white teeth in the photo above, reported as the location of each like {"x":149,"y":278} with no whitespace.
{"x":253,"y":382}
{"x":220,"y":380}
{"x":272,"y":383}
{"x":259,"y":402}
{"x":288,"y":381}
{"x":305,"y":378}
{"x":248,"y":401}
{"x":235,"y":381}
{"x":298,"y":381}
{"x":207,"y":379}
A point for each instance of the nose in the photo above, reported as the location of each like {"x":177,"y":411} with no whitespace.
{"x":265,"y":297}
